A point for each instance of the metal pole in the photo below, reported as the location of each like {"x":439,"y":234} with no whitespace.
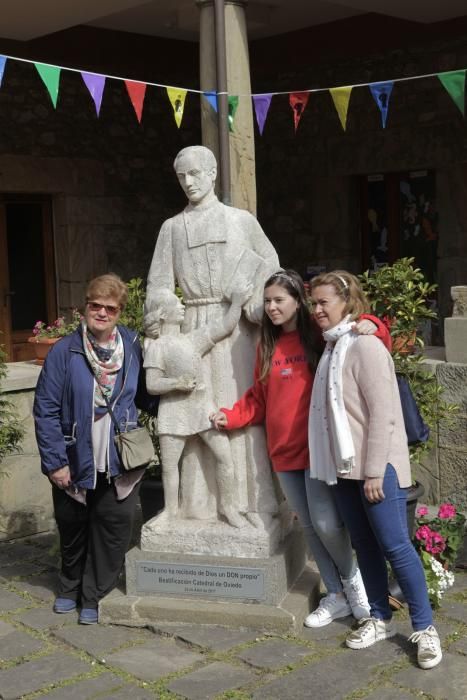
{"x":222,"y":101}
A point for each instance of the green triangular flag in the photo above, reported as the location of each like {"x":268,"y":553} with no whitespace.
{"x":454,"y":82}
{"x":233,"y":104}
{"x":51,"y":77}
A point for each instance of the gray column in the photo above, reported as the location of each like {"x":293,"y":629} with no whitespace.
{"x":242,"y":147}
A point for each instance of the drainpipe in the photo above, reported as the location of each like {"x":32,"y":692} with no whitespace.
{"x":222,"y":101}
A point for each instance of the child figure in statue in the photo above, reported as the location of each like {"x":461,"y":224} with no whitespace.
{"x":174,"y":371}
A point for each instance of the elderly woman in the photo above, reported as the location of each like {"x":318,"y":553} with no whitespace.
{"x":358,"y":442}
{"x":94,"y":499}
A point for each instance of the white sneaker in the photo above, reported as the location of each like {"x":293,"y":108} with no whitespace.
{"x":355,"y":593}
{"x":330,"y":608}
{"x":429,"y":652}
{"x":371,"y":630}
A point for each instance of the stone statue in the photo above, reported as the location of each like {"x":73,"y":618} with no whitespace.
{"x":459,"y":297}
{"x":205,"y":249}
{"x":174,"y":370}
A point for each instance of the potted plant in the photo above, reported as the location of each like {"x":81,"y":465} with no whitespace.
{"x":399,"y":295}
{"x":438,"y":538}
{"x":44,"y":336}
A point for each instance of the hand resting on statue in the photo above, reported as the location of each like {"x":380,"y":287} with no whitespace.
{"x":185,"y":382}
{"x":218,"y":419}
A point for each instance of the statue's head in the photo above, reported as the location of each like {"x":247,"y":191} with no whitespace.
{"x":196,"y":170}
{"x":163,"y":307}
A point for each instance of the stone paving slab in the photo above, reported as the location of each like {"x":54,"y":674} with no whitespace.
{"x":274,"y":654}
{"x":153,"y":660}
{"x":6,"y":628}
{"x":11,"y":552}
{"x":23,"y":569}
{"x":45,"y":618}
{"x":125,"y":693}
{"x":389,"y":694}
{"x":335,"y":630}
{"x":35,"y":675}
{"x":210,"y":681}
{"x":43,"y":586}
{"x":17,"y":644}
{"x":89,"y":688}
{"x":98,"y":640}
{"x":448,"y":681}
{"x":208,"y":636}
{"x":460,"y":645}
{"x":11,"y":601}
{"x":456,"y":611}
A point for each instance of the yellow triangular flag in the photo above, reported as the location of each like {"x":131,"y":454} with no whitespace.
{"x":341,"y":97}
{"x":177,"y":100}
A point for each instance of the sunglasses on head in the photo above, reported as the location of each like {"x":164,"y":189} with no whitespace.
{"x":111,"y":310}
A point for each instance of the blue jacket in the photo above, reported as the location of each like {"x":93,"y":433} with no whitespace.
{"x":64,"y":406}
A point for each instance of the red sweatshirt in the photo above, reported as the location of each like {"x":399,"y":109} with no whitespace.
{"x":283,"y":401}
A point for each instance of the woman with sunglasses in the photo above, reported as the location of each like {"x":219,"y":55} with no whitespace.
{"x":94,"y":498}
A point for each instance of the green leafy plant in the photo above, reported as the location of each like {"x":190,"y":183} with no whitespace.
{"x":11,"y":430}
{"x":438,"y":539}
{"x":399,"y":295}
{"x":58,"y":328}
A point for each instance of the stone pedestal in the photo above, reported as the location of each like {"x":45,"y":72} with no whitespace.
{"x":455,"y":328}
{"x":273,"y":593}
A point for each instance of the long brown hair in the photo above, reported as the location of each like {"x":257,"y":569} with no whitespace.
{"x":307,"y":330}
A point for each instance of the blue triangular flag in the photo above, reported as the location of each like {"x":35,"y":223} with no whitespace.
{"x":2,"y":67}
{"x":381,"y":93}
{"x":212,"y":99}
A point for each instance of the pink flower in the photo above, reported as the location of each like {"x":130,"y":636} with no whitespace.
{"x":423,"y":510}
{"x":437,"y":544}
{"x":424,"y":533}
{"x":446,"y":510}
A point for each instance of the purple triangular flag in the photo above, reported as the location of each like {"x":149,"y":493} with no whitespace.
{"x":262,"y":104}
{"x":2,"y":67}
{"x":95,"y":84}
{"x":212,"y":99}
{"x":381,"y":93}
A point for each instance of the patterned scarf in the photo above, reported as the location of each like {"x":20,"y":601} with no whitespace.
{"x":106,"y":361}
{"x":332,"y":452}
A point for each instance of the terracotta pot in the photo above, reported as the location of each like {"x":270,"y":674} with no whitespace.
{"x":42,"y":347}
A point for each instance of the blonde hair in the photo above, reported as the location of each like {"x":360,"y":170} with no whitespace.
{"x":108,"y":286}
{"x":348,"y":288}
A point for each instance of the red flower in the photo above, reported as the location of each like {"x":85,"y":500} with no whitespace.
{"x":446,"y":511}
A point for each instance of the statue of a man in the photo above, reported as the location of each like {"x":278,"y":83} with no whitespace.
{"x":203,"y":249}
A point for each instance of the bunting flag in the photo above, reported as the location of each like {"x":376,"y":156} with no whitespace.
{"x":261,"y":104}
{"x":381,"y":93}
{"x":233,"y":104}
{"x":340,"y":97}
{"x":51,"y":77}
{"x":298,"y":101}
{"x":95,"y":84}
{"x":177,"y":100}
{"x":2,"y":67}
{"x":454,"y":82}
{"x":212,"y":99}
{"x":136,"y":92}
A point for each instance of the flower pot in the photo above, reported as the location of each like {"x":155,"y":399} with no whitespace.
{"x":41,"y":347}
{"x":151,"y":496}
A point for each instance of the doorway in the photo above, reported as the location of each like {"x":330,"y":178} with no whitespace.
{"x":27,"y":271}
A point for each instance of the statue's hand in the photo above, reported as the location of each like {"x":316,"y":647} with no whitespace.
{"x":241,"y":295}
{"x":186,"y":382}
{"x":218,"y":419}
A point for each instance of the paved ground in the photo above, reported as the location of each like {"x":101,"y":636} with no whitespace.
{"x":47,"y":655}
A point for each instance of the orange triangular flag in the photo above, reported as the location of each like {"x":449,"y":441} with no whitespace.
{"x":298,"y":101}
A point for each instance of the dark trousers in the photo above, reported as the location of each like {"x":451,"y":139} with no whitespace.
{"x":93,"y":541}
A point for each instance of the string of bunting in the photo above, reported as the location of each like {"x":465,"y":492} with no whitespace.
{"x":452,"y":81}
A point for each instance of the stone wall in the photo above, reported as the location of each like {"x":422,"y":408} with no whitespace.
{"x":25,"y":494}
{"x":308,"y":198}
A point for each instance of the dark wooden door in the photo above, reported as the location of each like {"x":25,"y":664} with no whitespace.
{"x":27,"y":271}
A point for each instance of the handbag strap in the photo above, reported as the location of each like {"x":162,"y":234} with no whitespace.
{"x":112,"y":414}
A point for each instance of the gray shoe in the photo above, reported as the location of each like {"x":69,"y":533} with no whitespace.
{"x":370,"y":631}
{"x":429,"y":652}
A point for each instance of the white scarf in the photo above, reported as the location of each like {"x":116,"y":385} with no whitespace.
{"x":330,"y":441}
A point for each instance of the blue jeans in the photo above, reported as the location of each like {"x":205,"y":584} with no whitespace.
{"x":379,"y":532}
{"x":325,"y":534}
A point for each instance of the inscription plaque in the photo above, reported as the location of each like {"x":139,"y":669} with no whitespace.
{"x":195,"y":579}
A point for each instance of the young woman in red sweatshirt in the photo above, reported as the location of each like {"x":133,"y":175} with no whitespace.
{"x":287,"y":357}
